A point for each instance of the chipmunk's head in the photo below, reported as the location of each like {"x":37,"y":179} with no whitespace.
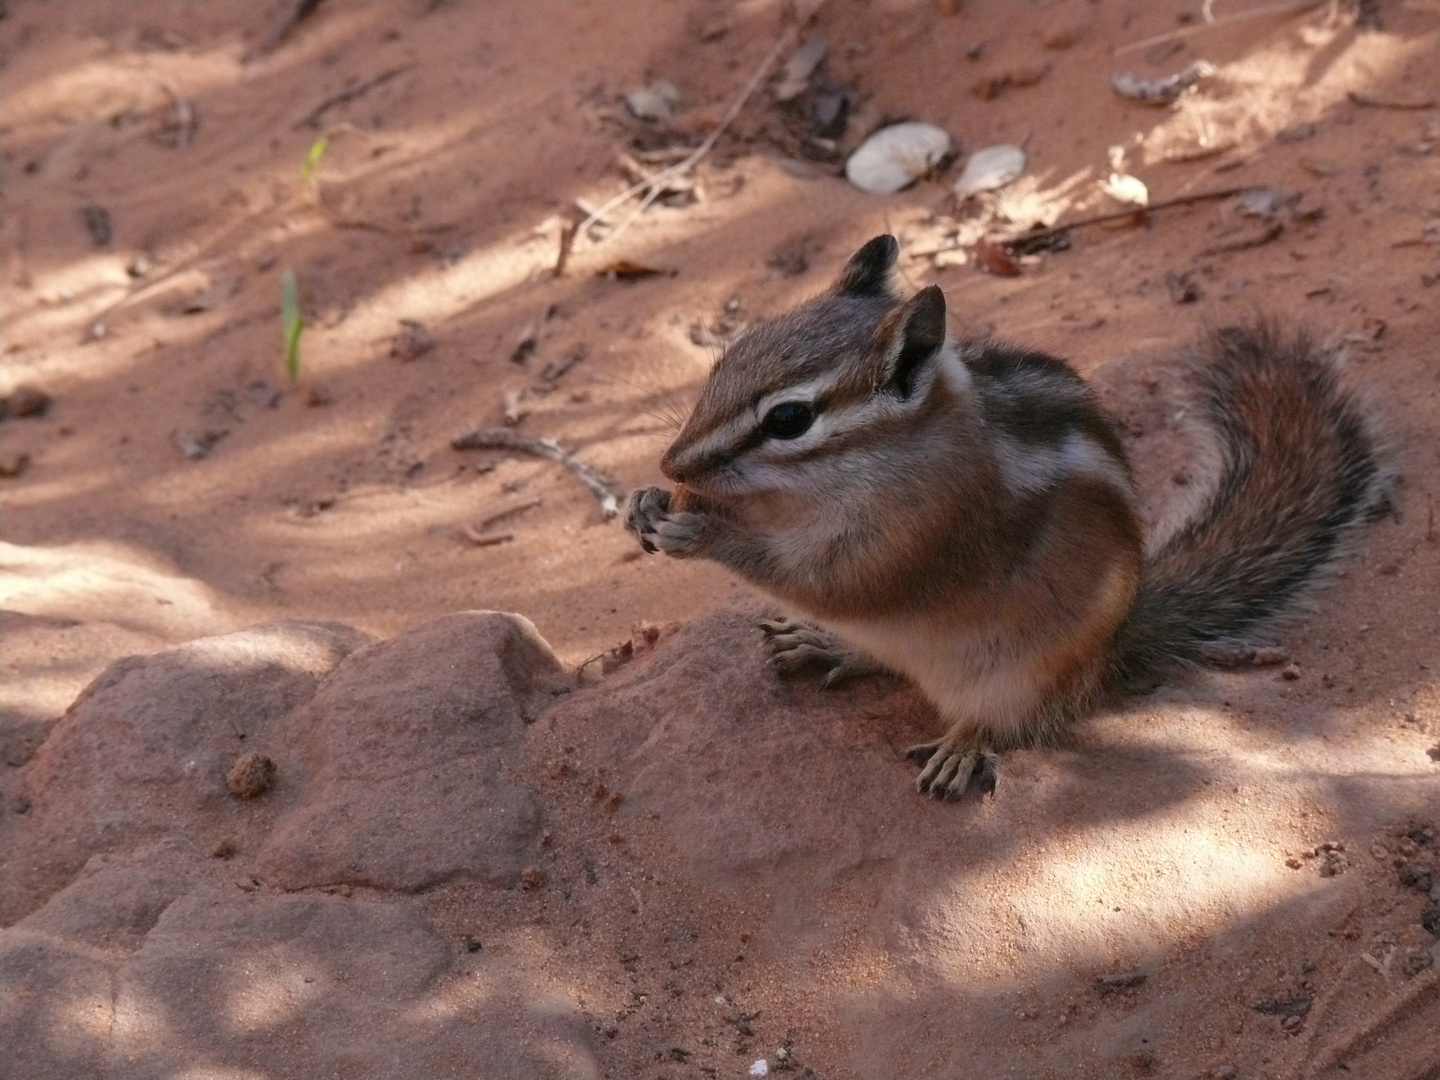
{"x":800,"y":400}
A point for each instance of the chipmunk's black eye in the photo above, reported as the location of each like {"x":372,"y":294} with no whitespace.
{"x":788,"y":420}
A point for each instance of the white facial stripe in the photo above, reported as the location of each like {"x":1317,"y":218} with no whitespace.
{"x":1028,"y":469}
{"x":807,"y":393}
{"x":723,"y":439}
{"x":833,"y":421}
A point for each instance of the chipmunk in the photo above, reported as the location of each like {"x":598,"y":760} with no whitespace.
{"x":963,"y":513}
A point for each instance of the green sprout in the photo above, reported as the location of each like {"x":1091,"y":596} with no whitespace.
{"x":291,"y":323}
{"x":312,"y":158}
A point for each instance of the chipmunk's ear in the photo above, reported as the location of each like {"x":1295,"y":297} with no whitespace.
{"x":909,"y":341}
{"x":868,"y":271}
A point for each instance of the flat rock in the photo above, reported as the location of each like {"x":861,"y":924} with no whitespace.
{"x":402,"y":759}
{"x":143,"y":751}
{"x":249,"y":984}
{"x":150,"y":939}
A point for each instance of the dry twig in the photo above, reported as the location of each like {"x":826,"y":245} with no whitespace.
{"x":1118,"y":215}
{"x":1239,"y":16}
{"x":1376,"y":101}
{"x":509,"y":511}
{"x":312,"y":118}
{"x":179,"y":130}
{"x":651,"y":188}
{"x":1271,"y":231}
{"x":501,"y":439}
{"x":294,"y":14}
{"x":485,"y":539}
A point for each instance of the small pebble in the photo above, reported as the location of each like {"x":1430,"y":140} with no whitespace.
{"x":252,"y":774}
{"x":25,"y":400}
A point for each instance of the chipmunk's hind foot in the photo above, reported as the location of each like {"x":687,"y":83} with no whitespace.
{"x":949,"y":768}
{"x":796,"y":646}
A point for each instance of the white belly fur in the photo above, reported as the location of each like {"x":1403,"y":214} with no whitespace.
{"x":969,"y":678}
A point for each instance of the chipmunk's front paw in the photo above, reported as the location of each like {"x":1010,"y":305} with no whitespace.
{"x":795,"y":646}
{"x":949,"y":766}
{"x":648,"y":516}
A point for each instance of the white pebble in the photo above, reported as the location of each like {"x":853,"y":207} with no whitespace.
{"x":896,"y":156}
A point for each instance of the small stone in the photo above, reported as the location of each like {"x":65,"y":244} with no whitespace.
{"x":1064,"y":34}
{"x":12,"y":465}
{"x":1430,"y":919}
{"x":1290,"y":672}
{"x":1226,"y":1072}
{"x":25,"y":400}
{"x":532,"y":878}
{"x":1417,"y":962}
{"x":654,"y":102}
{"x":411,"y":341}
{"x":1416,"y":876}
{"x":223,"y":850}
{"x":1296,"y":132}
{"x":252,"y":774}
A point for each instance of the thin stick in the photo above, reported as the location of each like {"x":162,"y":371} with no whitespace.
{"x":484,"y":540}
{"x":567,"y":241}
{"x":312,"y":118}
{"x":290,"y":18}
{"x":1239,"y":16}
{"x":185,"y":122}
{"x":510,"y":511}
{"x":653,"y":185}
{"x":1120,"y":215}
{"x":502,"y":439}
{"x":1245,"y":243}
{"x":1375,"y":102}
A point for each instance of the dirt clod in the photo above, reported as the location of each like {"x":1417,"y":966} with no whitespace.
{"x":252,"y":774}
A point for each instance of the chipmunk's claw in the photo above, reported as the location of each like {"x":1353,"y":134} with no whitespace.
{"x":795,"y":646}
{"x":949,"y":769}
{"x":648,"y":516}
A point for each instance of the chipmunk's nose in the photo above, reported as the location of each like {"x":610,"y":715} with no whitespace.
{"x":684,"y":465}
{"x":671,"y":466}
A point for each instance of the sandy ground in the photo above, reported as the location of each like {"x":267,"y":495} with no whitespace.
{"x":182,"y":482}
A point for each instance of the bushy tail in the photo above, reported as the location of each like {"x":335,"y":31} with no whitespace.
{"x":1302,"y":463}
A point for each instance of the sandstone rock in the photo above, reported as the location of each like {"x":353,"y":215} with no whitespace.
{"x":155,"y":960}
{"x":143,"y":751}
{"x":236,"y":984}
{"x":402,"y":758}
